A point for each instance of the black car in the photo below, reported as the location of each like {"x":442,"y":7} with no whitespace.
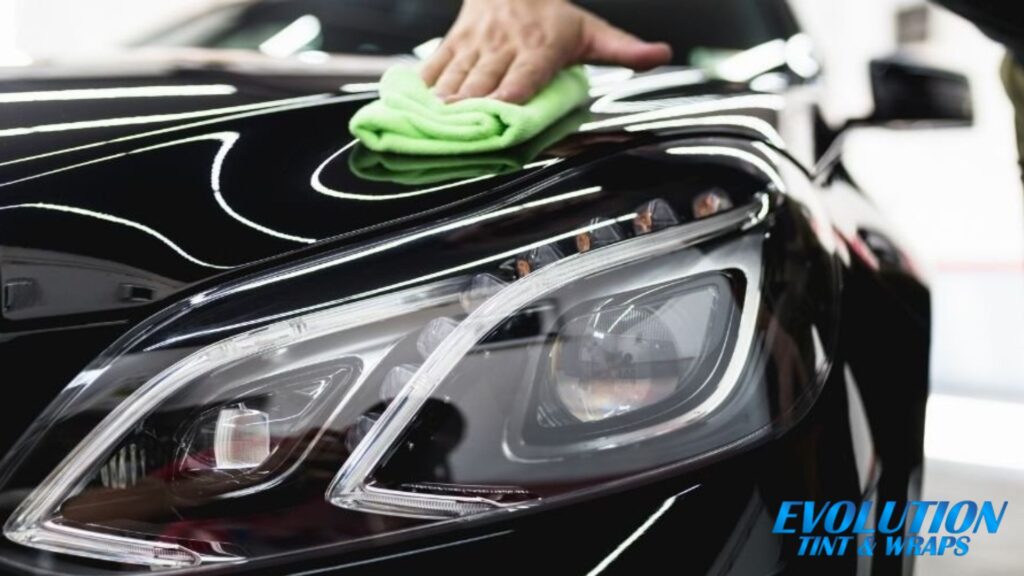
{"x":234,"y":341}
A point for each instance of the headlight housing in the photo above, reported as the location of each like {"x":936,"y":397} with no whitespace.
{"x":583,"y":337}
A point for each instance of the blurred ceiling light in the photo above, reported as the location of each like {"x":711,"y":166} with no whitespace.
{"x":293,"y":37}
{"x":743,"y":66}
{"x":110,"y":93}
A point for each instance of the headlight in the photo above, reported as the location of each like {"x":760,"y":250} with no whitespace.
{"x":571,"y":345}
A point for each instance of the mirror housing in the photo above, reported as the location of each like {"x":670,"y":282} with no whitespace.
{"x":909,"y":94}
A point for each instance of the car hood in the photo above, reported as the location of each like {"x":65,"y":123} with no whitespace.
{"x":126,"y":181}
{"x":128,"y":184}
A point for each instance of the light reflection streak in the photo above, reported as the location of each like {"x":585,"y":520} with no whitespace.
{"x":317,"y":184}
{"x":227,"y":140}
{"x":817,"y":213}
{"x":745,"y":65}
{"x":403,"y":554}
{"x":116,"y":220}
{"x":748,"y":157}
{"x":412,"y":282}
{"x":611,"y":96}
{"x":292,"y":37}
{"x":389,"y":245}
{"x":150,"y":119}
{"x":604,"y":79}
{"x":542,"y":163}
{"x":117,"y":93}
{"x":63,"y":169}
{"x":754,"y":160}
{"x":279,"y":106}
{"x":357,"y":87}
{"x":639,"y":532}
{"x":756,"y":124}
{"x":750,"y":101}
{"x":403,"y":240}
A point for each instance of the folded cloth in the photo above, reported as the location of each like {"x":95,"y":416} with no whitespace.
{"x":409,"y":170}
{"x":410,"y":119}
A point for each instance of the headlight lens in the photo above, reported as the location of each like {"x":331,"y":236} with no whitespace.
{"x":620,"y":346}
{"x":629,"y":352}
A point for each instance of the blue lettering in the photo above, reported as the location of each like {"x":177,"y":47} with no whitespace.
{"x":988,"y":516}
{"x":920,"y":512}
{"x":929,"y":547}
{"x":863,"y":517}
{"x":847,"y":509}
{"x":810,"y":520}
{"x":944,"y":543}
{"x":885,"y":520}
{"x":962,"y":545}
{"x":785,"y":513}
{"x":895,"y":545}
{"x":914,"y":546}
{"x":940,"y":512}
{"x":951,"y":520}
{"x":826,"y":546}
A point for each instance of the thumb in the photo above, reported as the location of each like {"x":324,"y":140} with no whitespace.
{"x":610,"y":45}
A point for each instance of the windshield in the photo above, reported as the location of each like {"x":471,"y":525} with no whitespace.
{"x":694,"y":28}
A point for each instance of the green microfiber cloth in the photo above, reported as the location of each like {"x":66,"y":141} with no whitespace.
{"x":410,"y":170}
{"x":425,"y":170}
{"x":410,"y":119}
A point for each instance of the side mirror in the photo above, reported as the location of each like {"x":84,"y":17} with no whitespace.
{"x":912,"y":94}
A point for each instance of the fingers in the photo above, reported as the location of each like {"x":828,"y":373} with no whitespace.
{"x":486,"y":75}
{"x":526,"y":76}
{"x":610,"y":45}
{"x":432,"y":69}
{"x":483,"y":55}
{"x":455,"y":73}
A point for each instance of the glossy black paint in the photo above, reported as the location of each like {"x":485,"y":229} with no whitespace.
{"x":399,"y":26}
{"x":119,"y":210}
{"x":165,"y":178}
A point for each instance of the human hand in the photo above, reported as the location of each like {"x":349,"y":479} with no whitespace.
{"x":510,"y":49}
